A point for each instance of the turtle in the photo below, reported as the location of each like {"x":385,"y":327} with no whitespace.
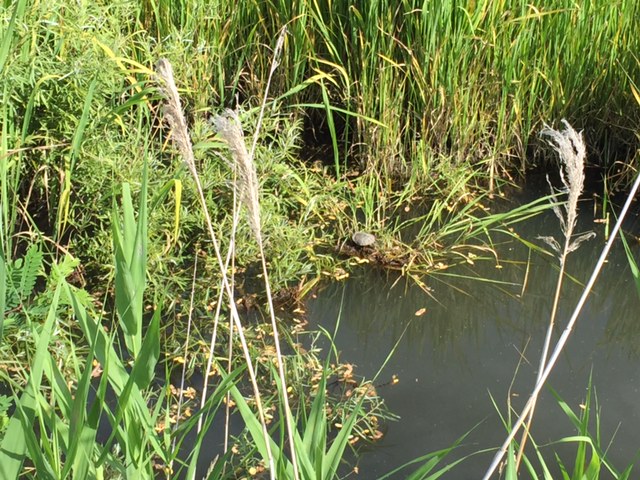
{"x":363,"y":239}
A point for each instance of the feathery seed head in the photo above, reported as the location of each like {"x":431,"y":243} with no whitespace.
{"x":230,"y":129}
{"x":173,"y":113}
{"x":572,"y":151}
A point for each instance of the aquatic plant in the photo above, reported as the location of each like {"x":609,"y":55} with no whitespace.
{"x":555,"y":353}
{"x":572,"y":153}
{"x":175,"y":116}
{"x":590,"y":458}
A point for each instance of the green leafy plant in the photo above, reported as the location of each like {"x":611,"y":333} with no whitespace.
{"x":18,"y":280}
{"x":130,"y":243}
{"x":589,"y":460}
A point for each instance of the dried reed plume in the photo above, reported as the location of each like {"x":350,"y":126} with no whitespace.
{"x":230,"y":129}
{"x":569,"y":145}
{"x":174,"y":116}
{"x":572,"y":152}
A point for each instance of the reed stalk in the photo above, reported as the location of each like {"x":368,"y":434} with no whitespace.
{"x":572,"y":153}
{"x":174,"y":116}
{"x":230,"y":129}
{"x":565,"y":334}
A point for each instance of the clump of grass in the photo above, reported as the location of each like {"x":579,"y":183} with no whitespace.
{"x":408,"y":88}
{"x":590,"y":458}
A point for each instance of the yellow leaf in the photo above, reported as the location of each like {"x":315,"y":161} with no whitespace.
{"x":177,"y":185}
{"x":635,"y":94}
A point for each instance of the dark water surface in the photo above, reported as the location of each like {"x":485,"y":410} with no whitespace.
{"x":473,"y":338}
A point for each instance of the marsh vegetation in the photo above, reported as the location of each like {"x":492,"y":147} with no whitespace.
{"x":177,"y":177}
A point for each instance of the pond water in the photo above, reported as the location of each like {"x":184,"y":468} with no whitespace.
{"x":476,"y":334}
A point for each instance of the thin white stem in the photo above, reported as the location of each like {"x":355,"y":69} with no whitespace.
{"x":230,"y":129}
{"x":565,"y":334}
{"x":274,"y":65}
{"x":212,"y":342}
{"x":547,"y":342}
{"x":186,"y":352}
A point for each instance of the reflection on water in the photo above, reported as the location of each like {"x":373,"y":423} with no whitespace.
{"x":468,"y":344}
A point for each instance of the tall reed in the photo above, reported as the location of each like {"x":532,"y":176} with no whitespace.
{"x":175,"y":117}
{"x":230,"y":129}
{"x":572,"y":153}
{"x":555,"y":354}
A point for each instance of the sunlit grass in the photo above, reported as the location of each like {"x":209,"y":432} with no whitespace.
{"x":443,"y":80}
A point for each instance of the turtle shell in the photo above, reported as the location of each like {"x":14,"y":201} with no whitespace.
{"x":363,"y":239}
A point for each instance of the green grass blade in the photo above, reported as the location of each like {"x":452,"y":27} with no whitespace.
{"x":144,"y":366}
{"x":78,"y":136}
{"x":633,"y":266}
{"x":14,"y":444}
{"x":119,"y":379}
{"x":139,"y":379}
{"x":83,"y":438}
{"x":209,"y":410}
{"x":82,"y":432}
{"x":332,"y":129}
{"x":431,"y":460}
{"x":255,"y":430}
{"x":332,"y":459}
{"x":130,"y":244}
{"x":7,"y":36}
{"x":3,"y":293}
{"x":314,"y":438}
{"x":40,"y":463}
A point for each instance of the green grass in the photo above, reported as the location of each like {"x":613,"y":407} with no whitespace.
{"x":589,"y":456}
{"x":443,"y":80}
